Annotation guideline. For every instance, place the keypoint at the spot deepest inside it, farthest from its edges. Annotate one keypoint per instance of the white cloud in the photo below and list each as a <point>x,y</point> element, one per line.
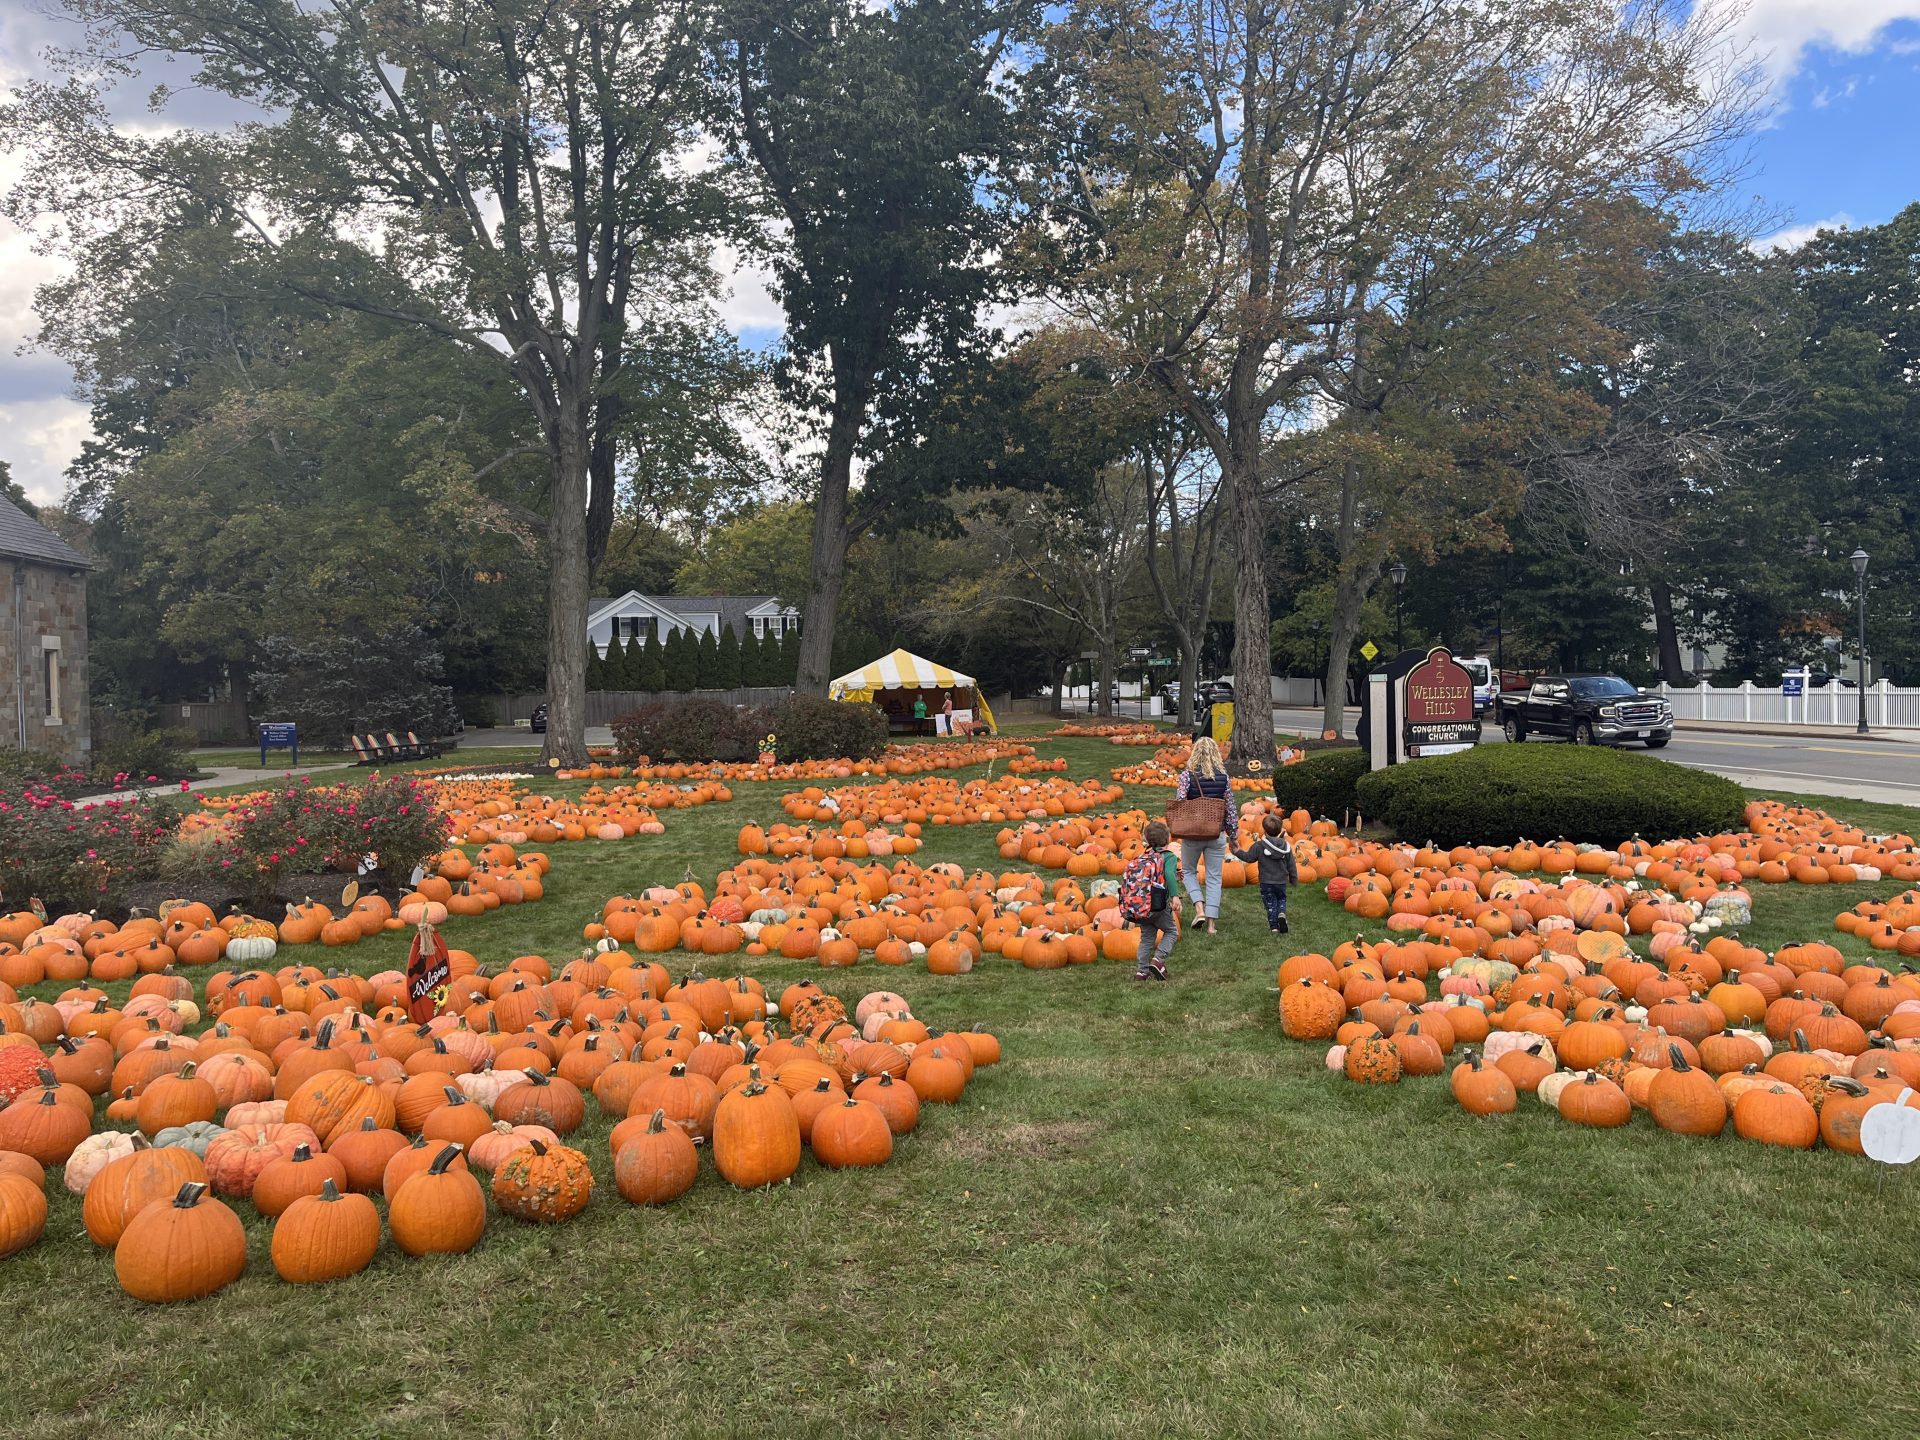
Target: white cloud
<point>1781,31</point>
<point>1794,236</point>
<point>41,438</point>
<point>749,303</point>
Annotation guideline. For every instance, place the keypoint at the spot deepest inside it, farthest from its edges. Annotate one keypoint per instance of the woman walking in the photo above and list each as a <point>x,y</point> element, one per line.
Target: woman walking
<point>1205,778</point>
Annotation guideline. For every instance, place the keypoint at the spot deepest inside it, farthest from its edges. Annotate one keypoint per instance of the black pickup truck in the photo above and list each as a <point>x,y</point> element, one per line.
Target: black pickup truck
<point>1586,709</point>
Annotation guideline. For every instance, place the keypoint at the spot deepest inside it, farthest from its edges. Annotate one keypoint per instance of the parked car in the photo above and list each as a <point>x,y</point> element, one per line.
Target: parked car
<point>538,722</point>
<point>1586,709</point>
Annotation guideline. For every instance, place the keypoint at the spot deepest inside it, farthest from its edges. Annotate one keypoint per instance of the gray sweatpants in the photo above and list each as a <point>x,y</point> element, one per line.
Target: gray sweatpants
<point>1157,934</point>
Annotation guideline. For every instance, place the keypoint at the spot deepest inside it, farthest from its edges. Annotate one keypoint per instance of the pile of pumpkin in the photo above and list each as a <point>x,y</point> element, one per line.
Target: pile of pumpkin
<point>853,838</point>
<point>1167,763</point>
<point>837,911</point>
<point>483,810</point>
<point>1092,845</point>
<point>895,760</point>
<point>941,801</point>
<point>1885,924</point>
<point>1793,1048</point>
<point>305,1102</point>
<point>1121,732</point>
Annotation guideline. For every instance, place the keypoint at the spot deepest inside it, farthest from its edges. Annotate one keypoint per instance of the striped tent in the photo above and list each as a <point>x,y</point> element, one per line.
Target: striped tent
<point>903,670</point>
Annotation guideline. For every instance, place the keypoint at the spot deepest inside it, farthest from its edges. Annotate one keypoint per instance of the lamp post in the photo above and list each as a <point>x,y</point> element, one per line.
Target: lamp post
<point>1860,584</point>
<point>1398,574</point>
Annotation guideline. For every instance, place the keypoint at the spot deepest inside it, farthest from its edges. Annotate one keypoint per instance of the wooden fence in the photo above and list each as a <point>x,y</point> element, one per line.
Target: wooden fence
<point>604,705</point>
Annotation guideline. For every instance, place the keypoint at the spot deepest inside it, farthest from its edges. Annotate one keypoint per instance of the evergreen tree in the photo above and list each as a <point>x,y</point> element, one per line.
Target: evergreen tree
<point>706,666</point>
<point>727,667</point>
<point>682,661</point>
<point>789,658</point>
<point>613,670</point>
<point>750,664</point>
<point>596,669</point>
<point>651,672</point>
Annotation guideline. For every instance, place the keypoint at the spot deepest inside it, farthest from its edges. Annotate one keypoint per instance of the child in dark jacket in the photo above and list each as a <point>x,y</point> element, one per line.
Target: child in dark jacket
<point>1278,869</point>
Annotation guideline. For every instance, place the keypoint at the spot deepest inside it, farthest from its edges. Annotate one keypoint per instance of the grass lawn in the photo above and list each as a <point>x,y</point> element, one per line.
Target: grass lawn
<point>1156,1217</point>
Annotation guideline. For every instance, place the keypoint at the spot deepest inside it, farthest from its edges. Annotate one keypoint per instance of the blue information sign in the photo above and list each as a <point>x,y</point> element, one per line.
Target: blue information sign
<point>282,735</point>
<point>1791,684</point>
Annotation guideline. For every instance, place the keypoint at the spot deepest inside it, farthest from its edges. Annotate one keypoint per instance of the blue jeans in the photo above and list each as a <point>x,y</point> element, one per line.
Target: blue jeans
<point>1215,853</point>
<point>1274,897</point>
<point>1157,934</point>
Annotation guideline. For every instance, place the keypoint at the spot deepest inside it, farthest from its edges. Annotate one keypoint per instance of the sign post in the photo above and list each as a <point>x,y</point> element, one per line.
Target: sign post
<point>283,735</point>
<point>1437,700</point>
<point>1417,706</point>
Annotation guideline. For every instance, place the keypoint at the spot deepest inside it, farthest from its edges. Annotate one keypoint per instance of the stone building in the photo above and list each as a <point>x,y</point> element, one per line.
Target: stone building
<point>43,638</point>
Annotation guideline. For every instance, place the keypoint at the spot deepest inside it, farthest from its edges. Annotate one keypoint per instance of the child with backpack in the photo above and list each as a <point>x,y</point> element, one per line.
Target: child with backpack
<point>1277,868</point>
<point>1148,899</point>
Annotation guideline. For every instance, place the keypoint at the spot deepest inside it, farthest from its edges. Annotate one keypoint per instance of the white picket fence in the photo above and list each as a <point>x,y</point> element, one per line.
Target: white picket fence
<point>1889,707</point>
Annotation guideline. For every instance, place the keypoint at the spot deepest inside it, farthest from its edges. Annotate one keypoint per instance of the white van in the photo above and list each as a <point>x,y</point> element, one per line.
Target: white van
<point>1485,685</point>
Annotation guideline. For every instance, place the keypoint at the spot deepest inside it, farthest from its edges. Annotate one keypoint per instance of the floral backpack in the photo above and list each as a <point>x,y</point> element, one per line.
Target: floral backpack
<point>1143,890</point>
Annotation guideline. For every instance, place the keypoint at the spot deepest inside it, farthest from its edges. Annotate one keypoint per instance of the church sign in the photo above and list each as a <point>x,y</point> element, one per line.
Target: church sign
<point>1437,703</point>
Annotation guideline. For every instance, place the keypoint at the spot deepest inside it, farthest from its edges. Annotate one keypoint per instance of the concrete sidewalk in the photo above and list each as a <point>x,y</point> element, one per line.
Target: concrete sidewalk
<point>1307,722</point>
<point>215,778</point>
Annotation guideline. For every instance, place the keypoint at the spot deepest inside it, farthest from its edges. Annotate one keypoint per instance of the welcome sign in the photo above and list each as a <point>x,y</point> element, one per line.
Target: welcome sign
<point>1437,704</point>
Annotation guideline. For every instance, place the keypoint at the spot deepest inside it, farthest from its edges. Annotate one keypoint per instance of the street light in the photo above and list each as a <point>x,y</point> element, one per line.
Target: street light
<point>1860,578</point>
<point>1398,574</point>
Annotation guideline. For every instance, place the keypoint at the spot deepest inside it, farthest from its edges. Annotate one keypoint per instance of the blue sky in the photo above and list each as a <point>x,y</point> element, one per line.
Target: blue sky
<point>1838,149</point>
<point>1842,142</point>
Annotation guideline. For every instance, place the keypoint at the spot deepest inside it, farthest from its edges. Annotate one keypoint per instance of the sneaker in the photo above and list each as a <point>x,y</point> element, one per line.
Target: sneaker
<point>1281,928</point>
<point>1141,975</point>
<point>1159,972</point>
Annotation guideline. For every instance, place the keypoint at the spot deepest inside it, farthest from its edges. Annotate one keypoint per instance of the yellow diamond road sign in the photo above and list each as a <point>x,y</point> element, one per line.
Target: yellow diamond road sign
<point>1369,650</point>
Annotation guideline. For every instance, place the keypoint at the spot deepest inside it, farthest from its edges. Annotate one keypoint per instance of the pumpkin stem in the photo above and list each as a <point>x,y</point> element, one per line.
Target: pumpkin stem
<point>302,1153</point>
<point>445,1158</point>
<point>329,1192</point>
<point>189,1195</point>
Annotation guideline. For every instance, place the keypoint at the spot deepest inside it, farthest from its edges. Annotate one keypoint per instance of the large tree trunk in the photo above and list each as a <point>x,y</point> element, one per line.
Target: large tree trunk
<point>1349,595</point>
<point>1059,687</point>
<point>827,566</point>
<point>1252,658</point>
<point>1105,706</point>
<point>1667,635</point>
<point>1189,678</point>
<point>567,586</point>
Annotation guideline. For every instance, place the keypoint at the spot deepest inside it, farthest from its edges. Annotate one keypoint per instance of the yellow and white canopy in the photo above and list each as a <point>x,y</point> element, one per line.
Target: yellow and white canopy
<point>902,670</point>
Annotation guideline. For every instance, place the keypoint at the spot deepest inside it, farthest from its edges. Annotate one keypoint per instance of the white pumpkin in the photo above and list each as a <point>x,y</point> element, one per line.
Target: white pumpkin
<point>94,1154</point>
<point>1548,1090</point>
<point>251,949</point>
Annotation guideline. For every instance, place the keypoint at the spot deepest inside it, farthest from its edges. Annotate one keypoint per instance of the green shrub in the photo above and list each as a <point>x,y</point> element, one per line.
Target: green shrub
<point>807,727</point>
<point>144,759</point>
<point>299,827</point>
<point>696,728</point>
<point>1497,794</point>
<point>80,857</point>
<point>1322,784</point>
<point>21,769</point>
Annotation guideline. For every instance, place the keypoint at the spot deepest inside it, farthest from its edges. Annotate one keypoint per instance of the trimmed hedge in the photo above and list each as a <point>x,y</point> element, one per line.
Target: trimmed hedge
<point>1497,794</point>
<point>806,727</point>
<point>687,730</point>
<point>1322,784</point>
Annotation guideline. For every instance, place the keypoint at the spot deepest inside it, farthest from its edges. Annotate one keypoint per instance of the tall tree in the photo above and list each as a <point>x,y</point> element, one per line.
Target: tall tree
<point>873,133</point>
<point>1234,177</point>
<point>1182,544</point>
<point>520,177</point>
<point>1693,398</point>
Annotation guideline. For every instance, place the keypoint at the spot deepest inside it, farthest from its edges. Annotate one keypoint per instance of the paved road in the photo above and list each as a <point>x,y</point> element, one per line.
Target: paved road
<point>1819,764</point>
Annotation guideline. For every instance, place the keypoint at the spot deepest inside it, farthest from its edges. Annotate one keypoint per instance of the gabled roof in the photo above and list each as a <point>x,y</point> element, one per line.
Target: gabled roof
<point>734,610</point>
<point>24,538</point>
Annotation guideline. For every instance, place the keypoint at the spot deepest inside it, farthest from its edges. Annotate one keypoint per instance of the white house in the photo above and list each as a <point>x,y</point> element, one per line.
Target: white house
<point>634,616</point>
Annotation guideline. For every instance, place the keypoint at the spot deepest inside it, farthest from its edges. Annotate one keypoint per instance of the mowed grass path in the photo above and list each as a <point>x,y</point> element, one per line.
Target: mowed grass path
<point>1156,1217</point>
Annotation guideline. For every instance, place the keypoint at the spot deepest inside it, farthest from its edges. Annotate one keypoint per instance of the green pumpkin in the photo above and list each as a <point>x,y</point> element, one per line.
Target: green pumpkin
<point>195,1137</point>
